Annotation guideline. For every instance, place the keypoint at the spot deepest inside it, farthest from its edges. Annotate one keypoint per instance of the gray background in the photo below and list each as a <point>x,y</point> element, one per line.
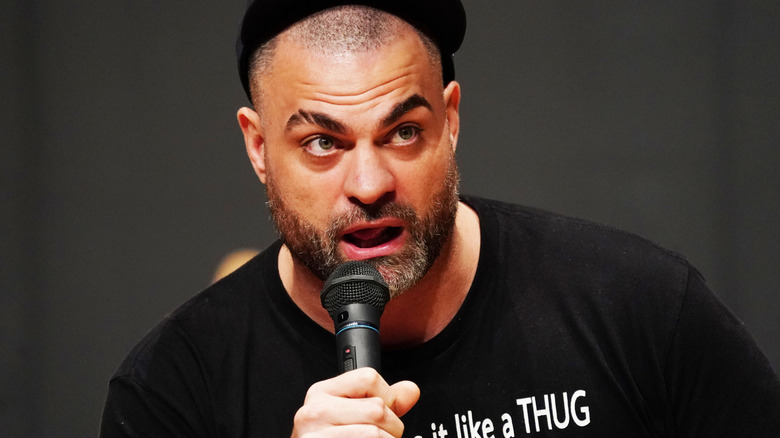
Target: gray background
<point>124,177</point>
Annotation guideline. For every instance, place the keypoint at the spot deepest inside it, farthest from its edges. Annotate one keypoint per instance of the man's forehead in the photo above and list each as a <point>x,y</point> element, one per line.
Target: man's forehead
<point>401,67</point>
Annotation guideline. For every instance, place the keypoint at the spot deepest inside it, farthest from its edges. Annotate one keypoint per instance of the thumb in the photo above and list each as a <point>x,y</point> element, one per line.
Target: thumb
<point>406,395</point>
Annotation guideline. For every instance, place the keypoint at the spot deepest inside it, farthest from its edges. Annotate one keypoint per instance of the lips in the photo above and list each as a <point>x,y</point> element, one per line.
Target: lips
<point>371,237</point>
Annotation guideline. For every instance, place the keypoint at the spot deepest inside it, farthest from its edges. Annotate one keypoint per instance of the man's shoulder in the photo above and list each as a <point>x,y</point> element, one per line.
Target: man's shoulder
<point>543,237</point>
<point>205,324</point>
<point>603,277</point>
<point>229,294</point>
<point>556,226</point>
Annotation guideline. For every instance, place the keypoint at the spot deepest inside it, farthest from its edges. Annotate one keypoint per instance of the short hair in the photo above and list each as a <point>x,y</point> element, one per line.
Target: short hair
<point>350,28</point>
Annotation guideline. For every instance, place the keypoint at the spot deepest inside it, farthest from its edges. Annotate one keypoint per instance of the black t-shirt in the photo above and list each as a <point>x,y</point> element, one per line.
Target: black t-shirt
<point>570,329</point>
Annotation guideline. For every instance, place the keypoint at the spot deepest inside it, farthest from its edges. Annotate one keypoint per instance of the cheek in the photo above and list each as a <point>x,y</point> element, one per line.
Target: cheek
<point>311,195</point>
<point>424,179</point>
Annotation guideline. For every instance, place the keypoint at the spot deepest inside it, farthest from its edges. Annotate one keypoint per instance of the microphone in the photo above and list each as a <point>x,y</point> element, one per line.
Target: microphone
<point>355,295</point>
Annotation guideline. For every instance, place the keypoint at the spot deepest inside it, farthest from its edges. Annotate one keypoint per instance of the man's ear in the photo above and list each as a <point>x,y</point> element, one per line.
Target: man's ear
<point>249,121</point>
<point>452,109</point>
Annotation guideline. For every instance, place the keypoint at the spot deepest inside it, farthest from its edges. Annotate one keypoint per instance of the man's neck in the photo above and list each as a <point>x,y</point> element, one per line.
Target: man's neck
<point>418,314</point>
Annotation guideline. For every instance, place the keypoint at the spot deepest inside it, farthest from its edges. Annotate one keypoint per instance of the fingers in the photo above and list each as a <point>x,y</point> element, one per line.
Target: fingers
<point>349,431</point>
<point>406,395</point>
<point>359,402</point>
<point>359,383</point>
<point>368,415</point>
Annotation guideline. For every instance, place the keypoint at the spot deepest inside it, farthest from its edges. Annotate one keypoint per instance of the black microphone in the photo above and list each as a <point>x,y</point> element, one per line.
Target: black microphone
<point>355,295</point>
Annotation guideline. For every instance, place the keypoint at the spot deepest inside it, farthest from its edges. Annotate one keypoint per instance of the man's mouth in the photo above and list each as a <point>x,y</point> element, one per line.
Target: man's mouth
<point>368,241</point>
<point>371,237</point>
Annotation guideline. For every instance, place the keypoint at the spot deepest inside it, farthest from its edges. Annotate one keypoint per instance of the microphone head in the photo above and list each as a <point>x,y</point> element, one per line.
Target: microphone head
<point>354,282</point>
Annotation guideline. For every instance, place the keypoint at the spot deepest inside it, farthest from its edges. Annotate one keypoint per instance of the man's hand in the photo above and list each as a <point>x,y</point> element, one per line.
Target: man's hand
<point>358,403</point>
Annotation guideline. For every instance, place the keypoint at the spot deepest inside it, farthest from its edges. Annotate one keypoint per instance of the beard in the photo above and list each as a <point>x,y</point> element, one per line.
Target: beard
<point>318,250</point>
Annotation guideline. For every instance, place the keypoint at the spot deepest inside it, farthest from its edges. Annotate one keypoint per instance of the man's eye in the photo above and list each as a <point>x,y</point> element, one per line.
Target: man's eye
<point>405,134</point>
<point>319,145</point>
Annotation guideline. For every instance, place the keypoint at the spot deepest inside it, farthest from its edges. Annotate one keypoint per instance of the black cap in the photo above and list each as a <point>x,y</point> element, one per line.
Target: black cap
<point>444,21</point>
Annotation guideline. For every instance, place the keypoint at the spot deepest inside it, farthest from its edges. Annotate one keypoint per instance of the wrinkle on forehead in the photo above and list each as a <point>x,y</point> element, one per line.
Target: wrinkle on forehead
<point>360,91</point>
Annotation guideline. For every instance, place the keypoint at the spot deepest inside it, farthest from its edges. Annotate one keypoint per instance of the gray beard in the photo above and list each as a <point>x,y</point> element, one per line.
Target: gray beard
<point>318,250</point>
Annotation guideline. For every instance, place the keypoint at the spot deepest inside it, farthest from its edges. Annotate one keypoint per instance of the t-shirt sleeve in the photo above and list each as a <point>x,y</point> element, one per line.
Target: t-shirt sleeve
<point>131,410</point>
<point>720,384</point>
<point>159,391</point>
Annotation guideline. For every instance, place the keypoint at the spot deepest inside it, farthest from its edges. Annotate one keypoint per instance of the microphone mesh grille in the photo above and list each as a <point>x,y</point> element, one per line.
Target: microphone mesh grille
<point>357,291</point>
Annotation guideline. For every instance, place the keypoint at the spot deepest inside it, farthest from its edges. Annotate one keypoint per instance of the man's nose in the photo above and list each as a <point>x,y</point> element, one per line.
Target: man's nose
<point>369,178</point>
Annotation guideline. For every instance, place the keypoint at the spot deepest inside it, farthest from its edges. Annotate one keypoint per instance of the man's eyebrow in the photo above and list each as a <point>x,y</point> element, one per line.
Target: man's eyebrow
<point>323,120</point>
<point>404,107</point>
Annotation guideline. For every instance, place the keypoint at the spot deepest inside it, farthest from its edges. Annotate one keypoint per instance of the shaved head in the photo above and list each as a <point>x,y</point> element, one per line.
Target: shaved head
<point>345,29</point>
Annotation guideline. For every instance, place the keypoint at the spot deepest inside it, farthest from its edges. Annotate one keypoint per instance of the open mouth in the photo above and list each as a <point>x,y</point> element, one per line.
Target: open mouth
<point>372,237</point>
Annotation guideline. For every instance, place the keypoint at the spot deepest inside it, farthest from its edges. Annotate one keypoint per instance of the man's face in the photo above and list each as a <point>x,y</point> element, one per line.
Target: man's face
<point>358,158</point>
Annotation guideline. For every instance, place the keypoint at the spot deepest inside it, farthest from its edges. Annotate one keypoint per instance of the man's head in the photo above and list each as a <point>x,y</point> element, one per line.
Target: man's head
<point>443,21</point>
<point>355,140</point>
<point>334,32</point>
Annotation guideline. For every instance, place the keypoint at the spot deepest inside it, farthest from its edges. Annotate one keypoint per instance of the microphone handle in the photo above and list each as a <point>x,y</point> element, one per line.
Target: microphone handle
<point>357,337</point>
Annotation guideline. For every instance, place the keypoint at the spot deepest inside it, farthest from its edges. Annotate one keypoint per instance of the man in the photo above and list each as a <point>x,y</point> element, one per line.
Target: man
<point>504,321</point>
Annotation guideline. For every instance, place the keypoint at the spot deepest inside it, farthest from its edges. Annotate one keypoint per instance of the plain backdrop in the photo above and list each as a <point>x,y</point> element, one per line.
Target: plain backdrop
<point>124,179</point>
